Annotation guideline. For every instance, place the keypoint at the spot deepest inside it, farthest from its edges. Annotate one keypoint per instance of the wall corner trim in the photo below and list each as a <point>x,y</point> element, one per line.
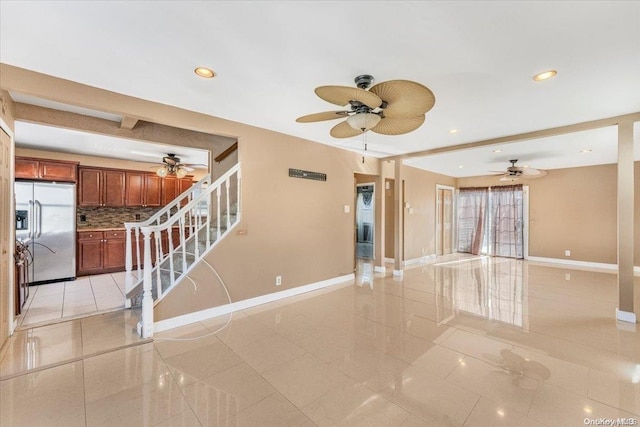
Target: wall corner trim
<point>209,313</point>
<point>625,316</point>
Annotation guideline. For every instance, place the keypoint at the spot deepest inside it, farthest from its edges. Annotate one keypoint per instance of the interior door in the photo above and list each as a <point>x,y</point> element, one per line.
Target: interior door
<point>447,220</point>
<point>6,225</point>
<point>439,197</point>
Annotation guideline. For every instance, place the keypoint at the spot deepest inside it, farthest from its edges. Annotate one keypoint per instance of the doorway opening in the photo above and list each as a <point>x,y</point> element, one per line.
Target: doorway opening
<point>365,221</point>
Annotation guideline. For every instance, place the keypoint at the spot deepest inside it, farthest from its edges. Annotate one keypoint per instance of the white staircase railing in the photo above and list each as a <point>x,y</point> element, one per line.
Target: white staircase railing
<point>176,238</point>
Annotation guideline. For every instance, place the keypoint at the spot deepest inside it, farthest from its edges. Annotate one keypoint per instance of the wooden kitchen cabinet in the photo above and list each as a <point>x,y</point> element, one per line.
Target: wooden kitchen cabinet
<point>89,253</point>
<point>101,187</point>
<point>45,170</point>
<point>173,186</point>
<point>170,189</point>
<point>143,189</point>
<point>114,251</point>
<point>101,252</point>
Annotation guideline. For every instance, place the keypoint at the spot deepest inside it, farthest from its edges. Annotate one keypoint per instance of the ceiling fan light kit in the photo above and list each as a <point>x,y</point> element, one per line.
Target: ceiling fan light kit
<point>363,121</point>
<point>394,107</point>
<point>171,166</point>
<point>514,173</point>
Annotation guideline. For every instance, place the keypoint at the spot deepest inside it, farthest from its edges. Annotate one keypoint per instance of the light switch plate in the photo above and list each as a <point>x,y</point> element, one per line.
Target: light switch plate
<point>347,208</point>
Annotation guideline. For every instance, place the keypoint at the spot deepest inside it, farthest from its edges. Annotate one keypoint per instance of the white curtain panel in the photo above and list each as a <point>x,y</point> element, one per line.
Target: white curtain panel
<point>472,214</point>
<point>506,228</point>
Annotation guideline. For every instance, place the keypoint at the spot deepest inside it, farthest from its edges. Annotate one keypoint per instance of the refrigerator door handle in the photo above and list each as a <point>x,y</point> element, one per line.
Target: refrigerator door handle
<point>39,217</point>
<point>30,220</point>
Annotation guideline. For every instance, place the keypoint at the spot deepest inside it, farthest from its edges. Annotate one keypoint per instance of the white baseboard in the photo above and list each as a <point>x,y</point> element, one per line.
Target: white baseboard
<point>420,260</point>
<point>625,316</point>
<point>389,260</point>
<point>209,313</point>
<point>580,264</point>
<point>398,273</point>
<point>379,269</point>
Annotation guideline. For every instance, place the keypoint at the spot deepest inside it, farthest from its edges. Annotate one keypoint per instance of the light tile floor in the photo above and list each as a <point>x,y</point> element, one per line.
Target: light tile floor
<point>473,342</point>
<point>87,295</point>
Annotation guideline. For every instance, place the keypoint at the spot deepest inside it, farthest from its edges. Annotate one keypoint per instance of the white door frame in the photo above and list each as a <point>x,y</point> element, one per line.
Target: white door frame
<point>454,246</point>
<point>525,221</point>
<point>11,321</point>
<point>375,220</point>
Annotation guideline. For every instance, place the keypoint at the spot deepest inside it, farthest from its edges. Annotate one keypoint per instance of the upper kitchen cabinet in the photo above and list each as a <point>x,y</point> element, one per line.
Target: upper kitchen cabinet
<point>143,189</point>
<point>172,187</point>
<point>45,170</point>
<point>101,187</point>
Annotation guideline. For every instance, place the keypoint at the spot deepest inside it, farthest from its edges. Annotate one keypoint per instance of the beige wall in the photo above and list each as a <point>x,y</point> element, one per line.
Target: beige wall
<point>389,251</point>
<point>294,227</point>
<point>574,209</point>
<point>420,226</point>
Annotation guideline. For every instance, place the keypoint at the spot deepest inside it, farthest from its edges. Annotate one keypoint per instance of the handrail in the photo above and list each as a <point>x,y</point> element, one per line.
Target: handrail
<point>186,208</point>
<point>168,207</point>
<point>193,222</point>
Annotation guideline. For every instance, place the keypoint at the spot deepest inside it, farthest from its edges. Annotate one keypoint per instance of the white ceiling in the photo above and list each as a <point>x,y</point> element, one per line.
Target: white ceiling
<point>36,136</point>
<point>477,57</point>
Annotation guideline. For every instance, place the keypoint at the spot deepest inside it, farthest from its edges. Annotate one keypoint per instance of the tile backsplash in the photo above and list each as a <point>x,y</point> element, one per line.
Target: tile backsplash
<point>110,217</point>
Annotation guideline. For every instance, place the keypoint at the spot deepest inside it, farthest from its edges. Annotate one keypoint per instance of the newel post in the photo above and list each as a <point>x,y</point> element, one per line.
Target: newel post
<point>145,327</point>
<point>128,263</point>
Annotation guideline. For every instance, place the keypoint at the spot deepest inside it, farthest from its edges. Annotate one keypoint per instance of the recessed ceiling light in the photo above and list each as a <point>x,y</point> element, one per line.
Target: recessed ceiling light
<point>497,151</point>
<point>460,167</point>
<point>545,75</point>
<point>204,72</point>
<point>454,131</point>
<point>586,150</point>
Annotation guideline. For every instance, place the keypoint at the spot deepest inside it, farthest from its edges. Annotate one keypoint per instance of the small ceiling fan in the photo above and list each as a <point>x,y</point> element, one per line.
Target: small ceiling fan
<point>393,107</point>
<point>513,172</point>
<point>171,166</point>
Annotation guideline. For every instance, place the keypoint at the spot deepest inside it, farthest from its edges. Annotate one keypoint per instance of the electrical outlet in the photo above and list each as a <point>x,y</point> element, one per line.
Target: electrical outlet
<point>567,276</point>
<point>347,208</point>
<point>567,252</point>
<point>278,280</point>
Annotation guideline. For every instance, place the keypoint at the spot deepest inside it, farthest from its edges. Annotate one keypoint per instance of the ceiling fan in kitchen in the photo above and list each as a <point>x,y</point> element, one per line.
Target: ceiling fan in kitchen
<point>393,107</point>
<point>514,173</point>
<point>171,165</point>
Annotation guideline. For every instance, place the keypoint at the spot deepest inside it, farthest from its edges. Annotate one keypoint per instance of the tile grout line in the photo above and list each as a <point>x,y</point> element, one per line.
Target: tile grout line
<point>74,359</point>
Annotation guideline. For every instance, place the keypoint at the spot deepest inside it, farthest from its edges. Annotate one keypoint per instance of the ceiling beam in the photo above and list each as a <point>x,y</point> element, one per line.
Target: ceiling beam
<point>128,123</point>
<point>544,133</point>
<point>144,131</point>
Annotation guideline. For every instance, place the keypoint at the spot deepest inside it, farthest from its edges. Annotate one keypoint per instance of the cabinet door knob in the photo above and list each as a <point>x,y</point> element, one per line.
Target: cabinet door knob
<point>90,235</point>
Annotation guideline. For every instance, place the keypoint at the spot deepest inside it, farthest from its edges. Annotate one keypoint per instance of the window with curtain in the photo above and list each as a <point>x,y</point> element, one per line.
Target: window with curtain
<point>472,209</point>
<point>506,228</point>
<point>490,221</point>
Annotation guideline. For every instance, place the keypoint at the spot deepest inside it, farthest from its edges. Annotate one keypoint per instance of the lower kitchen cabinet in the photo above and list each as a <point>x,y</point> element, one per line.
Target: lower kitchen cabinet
<point>101,252</point>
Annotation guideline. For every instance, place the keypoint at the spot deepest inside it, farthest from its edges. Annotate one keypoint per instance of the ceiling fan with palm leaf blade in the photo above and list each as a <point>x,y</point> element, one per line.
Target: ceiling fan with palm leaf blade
<point>171,165</point>
<point>514,173</point>
<point>393,107</point>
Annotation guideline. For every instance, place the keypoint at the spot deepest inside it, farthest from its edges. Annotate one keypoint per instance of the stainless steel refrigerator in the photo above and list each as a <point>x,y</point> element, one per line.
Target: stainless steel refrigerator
<point>46,221</point>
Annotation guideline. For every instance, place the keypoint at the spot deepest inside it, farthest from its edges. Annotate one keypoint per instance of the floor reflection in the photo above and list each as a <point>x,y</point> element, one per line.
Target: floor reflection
<point>493,288</point>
